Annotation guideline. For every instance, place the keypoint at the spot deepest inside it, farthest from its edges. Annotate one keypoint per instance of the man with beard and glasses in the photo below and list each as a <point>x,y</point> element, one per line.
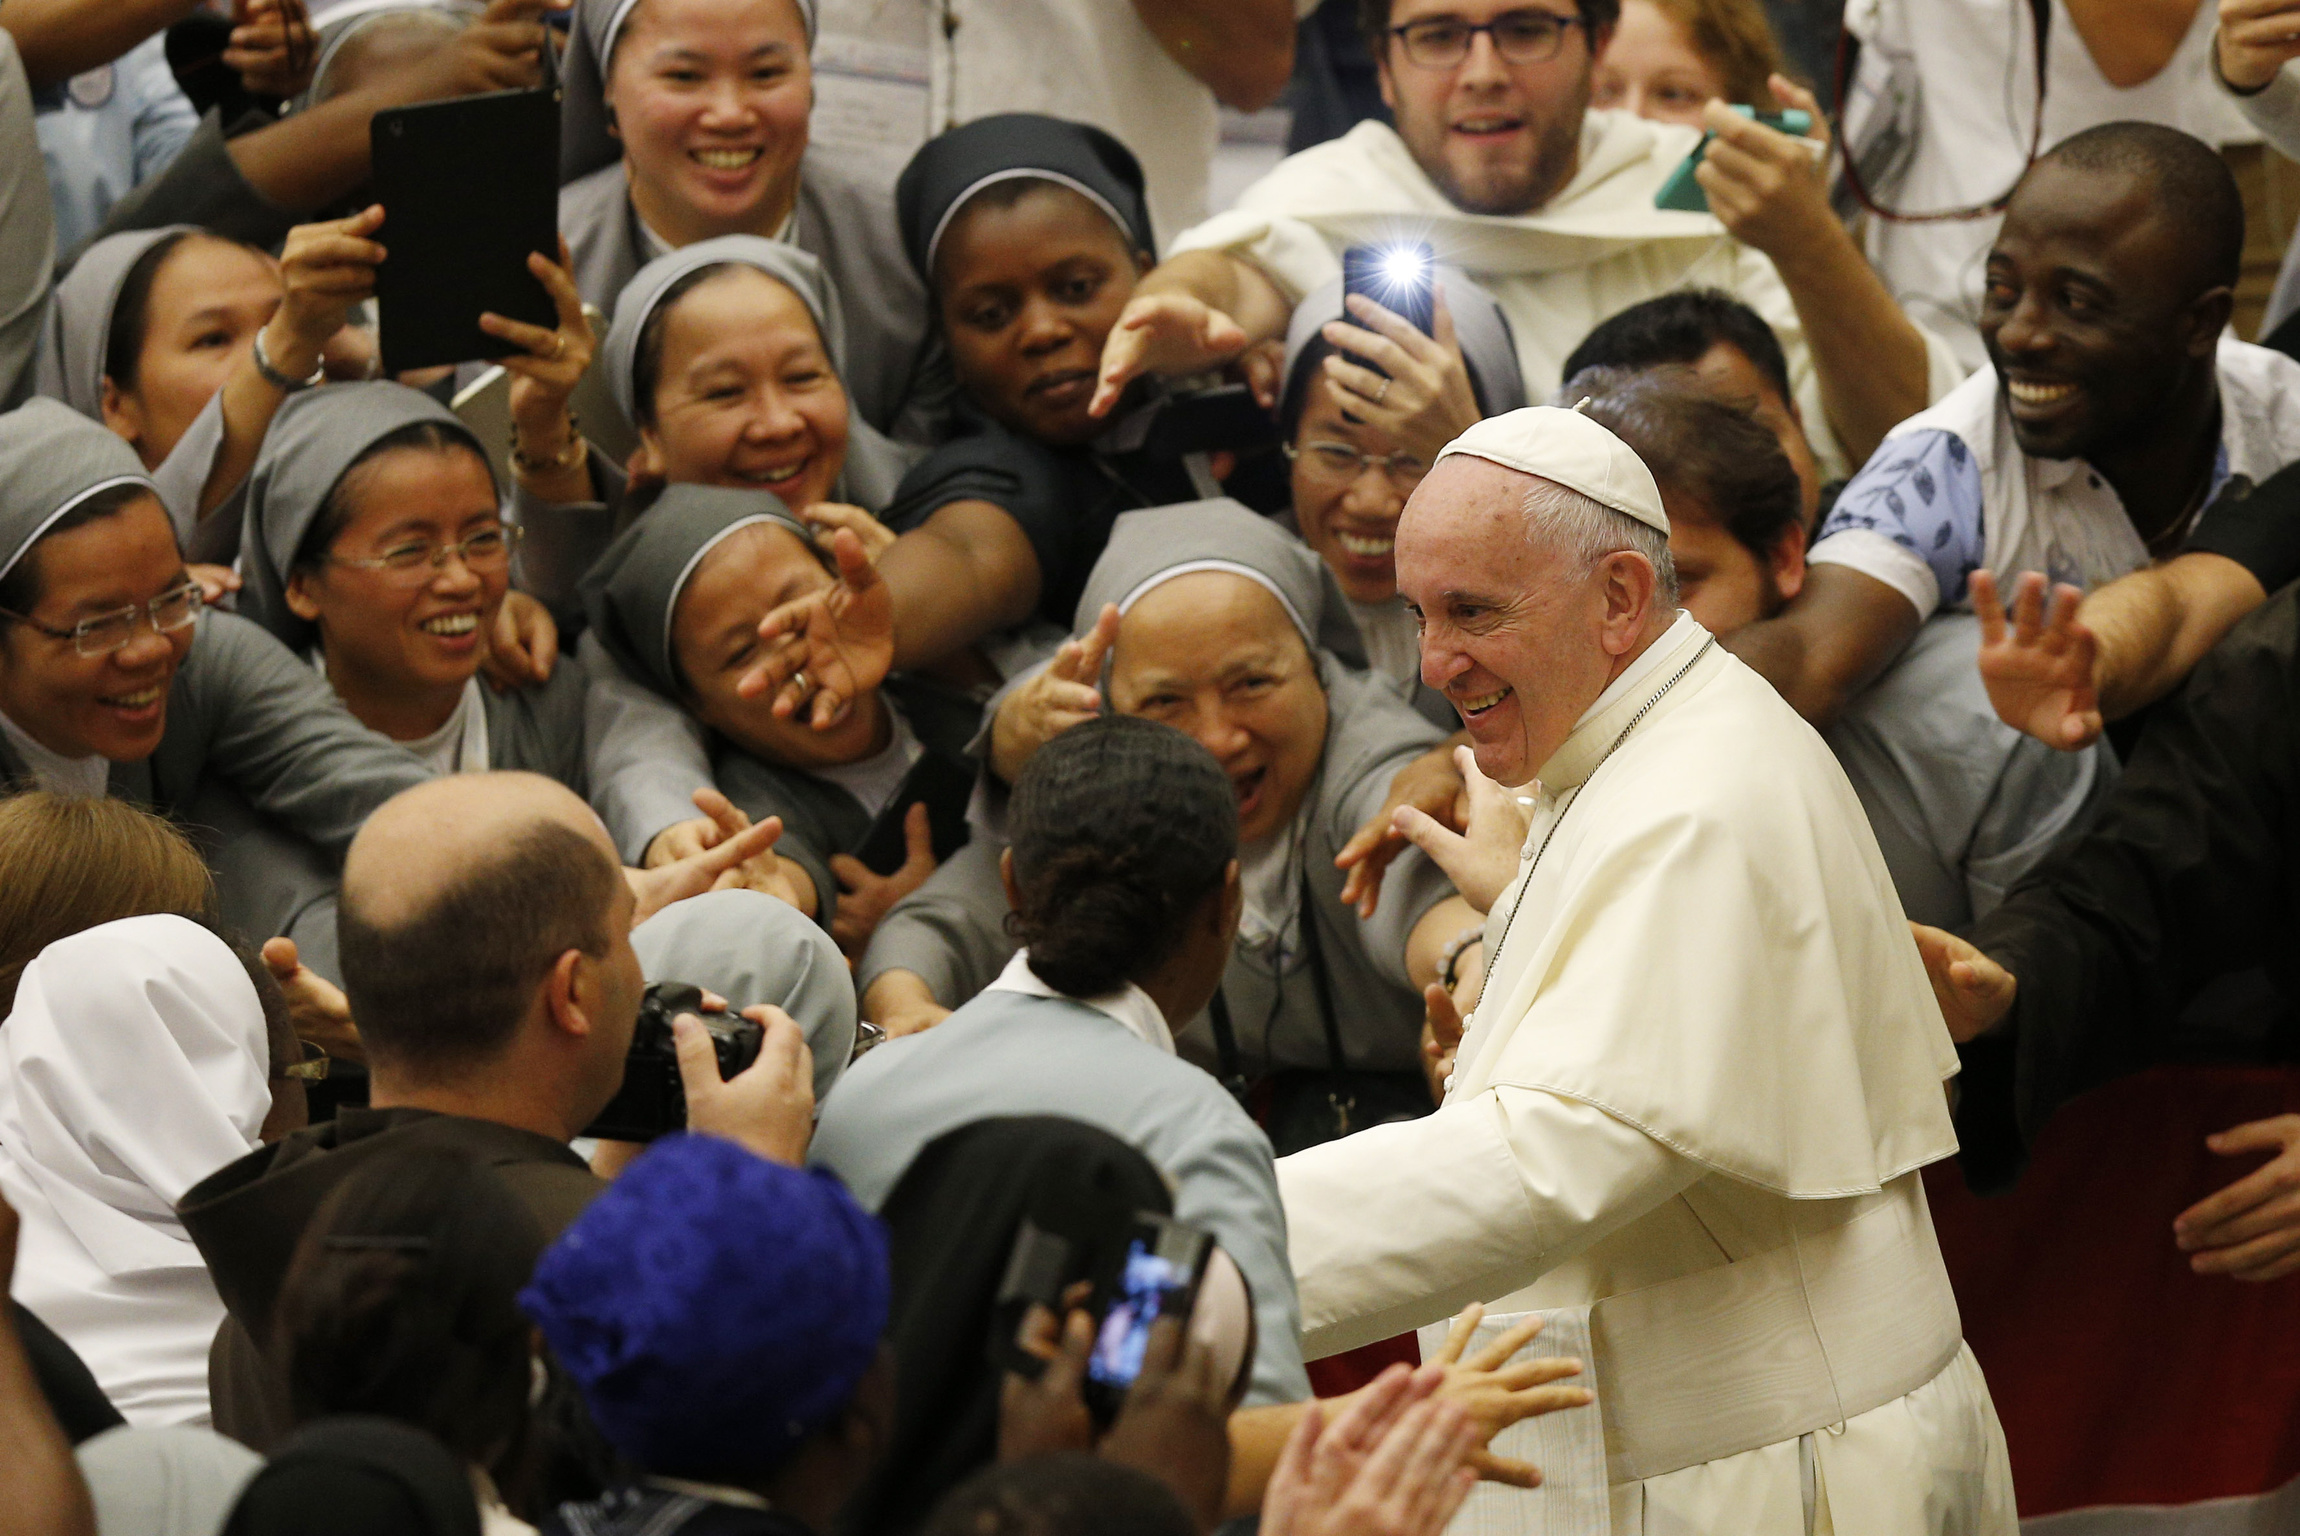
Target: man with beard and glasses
<point>1499,165</point>
<point>2113,413</point>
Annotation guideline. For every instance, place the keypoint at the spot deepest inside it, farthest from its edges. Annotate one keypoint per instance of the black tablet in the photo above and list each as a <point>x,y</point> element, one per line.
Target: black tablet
<point>469,187</point>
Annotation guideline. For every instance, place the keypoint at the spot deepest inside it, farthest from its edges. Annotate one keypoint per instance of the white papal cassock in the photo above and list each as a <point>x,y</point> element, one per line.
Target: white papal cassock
<point>1688,1114</point>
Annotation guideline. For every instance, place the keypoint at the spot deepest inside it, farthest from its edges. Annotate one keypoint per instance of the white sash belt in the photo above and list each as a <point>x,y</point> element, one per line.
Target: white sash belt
<point>1775,1346</point>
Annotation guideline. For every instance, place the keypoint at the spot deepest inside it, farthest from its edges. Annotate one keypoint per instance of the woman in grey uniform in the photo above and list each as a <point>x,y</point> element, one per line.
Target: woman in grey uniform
<point>868,802</point>
<point>682,126</point>
<point>1217,610</point>
<point>1125,881</point>
<point>114,679</point>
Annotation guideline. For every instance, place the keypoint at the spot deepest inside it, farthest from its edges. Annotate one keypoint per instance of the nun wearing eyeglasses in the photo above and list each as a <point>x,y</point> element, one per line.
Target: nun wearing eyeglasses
<point>115,681</point>
<point>373,545</point>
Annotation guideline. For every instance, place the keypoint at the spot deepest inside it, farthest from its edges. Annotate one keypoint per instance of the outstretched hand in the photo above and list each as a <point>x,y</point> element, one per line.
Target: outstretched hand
<point>2251,1229</point>
<point>655,888</point>
<point>1164,333</point>
<point>832,646</point>
<point>1066,693</point>
<point>865,896</point>
<point>1431,784</point>
<point>2042,673</point>
<point>1393,1462</point>
<point>1974,992</point>
<point>317,1009</point>
<point>1482,858</point>
<point>1496,1394</point>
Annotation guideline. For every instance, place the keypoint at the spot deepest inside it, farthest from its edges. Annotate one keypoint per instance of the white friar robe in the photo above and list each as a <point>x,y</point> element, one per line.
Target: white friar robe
<point>1692,1103</point>
<point>1590,252</point>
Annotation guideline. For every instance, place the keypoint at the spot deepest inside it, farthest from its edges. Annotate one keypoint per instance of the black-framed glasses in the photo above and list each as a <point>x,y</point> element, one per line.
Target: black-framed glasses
<point>1339,461</point>
<point>411,563</point>
<point>1529,36</point>
<point>104,633</point>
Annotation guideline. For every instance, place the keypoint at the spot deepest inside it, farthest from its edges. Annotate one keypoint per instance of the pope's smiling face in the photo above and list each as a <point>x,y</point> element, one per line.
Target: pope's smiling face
<point>1510,632</point>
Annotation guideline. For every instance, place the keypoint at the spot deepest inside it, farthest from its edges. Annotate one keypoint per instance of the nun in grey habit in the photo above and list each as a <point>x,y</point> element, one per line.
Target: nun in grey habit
<point>902,382</point>
<point>631,598</point>
<point>268,880</point>
<point>1489,353</point>
<point>71,369</point>
<point>1311,987</point>
<point>649,756</point>
<point>242,710</point>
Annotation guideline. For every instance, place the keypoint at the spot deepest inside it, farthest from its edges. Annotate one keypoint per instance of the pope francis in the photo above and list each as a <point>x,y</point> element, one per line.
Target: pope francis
<point>1687,1115</point>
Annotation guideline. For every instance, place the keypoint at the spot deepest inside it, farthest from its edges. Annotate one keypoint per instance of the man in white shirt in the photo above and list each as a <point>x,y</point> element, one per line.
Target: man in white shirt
<point>1688,1113</point>
<point>1497,163</point>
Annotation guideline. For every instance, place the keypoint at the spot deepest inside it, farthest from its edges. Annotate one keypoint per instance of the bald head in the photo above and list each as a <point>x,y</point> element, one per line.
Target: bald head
<point>458,898</point>
<point>2176,176</point>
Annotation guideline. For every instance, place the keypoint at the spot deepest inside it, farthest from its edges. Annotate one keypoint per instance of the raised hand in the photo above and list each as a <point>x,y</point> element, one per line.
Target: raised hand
<point>1974,992</point>
<point>2255,39</point>
<point>2043,673</point>
<point>1431,784</point>
<point>551,362</point>
<point>271,47</point>
<point>1482,858</point>
<point>523,646</point>
<point>2251,1229</point>
<point>769,1106</point>
<point>501,51</point>
<point>831,646</point>
<point>865,896</point>
<point>1769,188</point>
<point>325,269</point>
<point>655,888</point>
<point>1496,1394</point>
<point>826,518</point>
<point>1163,333</point>
<point>1066,693</point>
<point>317,1008</point>
<point>1046,1415</point>
<point>1420,394</point>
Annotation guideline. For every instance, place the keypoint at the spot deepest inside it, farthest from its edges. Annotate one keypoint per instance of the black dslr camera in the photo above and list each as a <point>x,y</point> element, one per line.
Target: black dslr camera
<point>652,1099</point>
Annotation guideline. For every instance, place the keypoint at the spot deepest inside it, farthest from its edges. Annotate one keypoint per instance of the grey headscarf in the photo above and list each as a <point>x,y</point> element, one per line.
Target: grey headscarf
<point>630,592</point>
<point>1153,546</point>
<point>52,459</point>
<point>314,438</point>
<point>584,142</point>
<point>751,948</point>
<point>874,464</point>
<point>1479,327</point>
<point>786,264</point>
<point>80,321</point>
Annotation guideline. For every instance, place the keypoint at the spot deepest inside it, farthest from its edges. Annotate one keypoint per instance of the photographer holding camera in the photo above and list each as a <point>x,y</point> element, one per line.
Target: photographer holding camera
<point>487,957</point>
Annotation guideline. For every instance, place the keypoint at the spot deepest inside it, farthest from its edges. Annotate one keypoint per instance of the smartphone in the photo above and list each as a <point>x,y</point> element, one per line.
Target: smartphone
<point>1158,1275</point>
<point>1682,193</point>
<point>469,188</point>
<point>1400,278</point>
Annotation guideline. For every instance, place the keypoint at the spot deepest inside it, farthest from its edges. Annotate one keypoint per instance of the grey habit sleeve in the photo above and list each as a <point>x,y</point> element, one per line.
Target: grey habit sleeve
<point>27,232</point>
<point>560,539</point>
<point>647,755</point>
<point>266,723</point>
<point>950,932</point>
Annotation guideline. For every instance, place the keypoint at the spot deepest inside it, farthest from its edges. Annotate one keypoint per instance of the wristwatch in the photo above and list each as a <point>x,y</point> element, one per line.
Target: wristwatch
<point>285,384</point>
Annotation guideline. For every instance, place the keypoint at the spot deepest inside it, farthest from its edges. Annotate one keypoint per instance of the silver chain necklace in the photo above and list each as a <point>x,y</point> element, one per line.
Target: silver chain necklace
<point>1643,710</point>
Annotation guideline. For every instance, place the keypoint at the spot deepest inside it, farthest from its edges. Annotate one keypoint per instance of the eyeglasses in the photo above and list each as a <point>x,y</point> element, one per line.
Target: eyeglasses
<point>312,1068</point>
<point>108,632</point>
<point>1339,461</point>
<point>411,564</point>
<point>1520,37</point>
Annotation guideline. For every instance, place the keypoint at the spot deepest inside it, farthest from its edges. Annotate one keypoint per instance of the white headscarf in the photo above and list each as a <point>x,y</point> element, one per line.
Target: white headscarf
<point>135,1065</point>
